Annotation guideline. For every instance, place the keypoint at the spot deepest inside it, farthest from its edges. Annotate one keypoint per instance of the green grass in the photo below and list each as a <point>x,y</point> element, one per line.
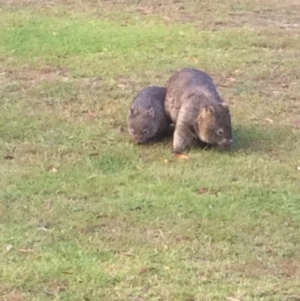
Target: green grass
<point>87,215</point>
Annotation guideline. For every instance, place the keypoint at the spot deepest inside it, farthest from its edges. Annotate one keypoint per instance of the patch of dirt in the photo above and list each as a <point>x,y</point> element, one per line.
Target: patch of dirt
<point>30,2</point>
<point>33,77</point>
<point>256,269</point>
<point>56,287</point>
<point>208,15</point>
<point>15,296</point>
<point>281,19</point>
<point>30,77</point>
<point>214,15</point>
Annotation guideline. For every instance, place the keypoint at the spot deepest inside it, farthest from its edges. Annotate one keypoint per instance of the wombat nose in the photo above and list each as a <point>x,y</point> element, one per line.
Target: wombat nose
<point>229,142</point>
<point>226,143</point>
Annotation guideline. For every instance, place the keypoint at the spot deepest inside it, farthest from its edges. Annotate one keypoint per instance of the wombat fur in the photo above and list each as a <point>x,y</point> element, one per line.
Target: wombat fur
<point>197,110</point>
<point>146,119</point>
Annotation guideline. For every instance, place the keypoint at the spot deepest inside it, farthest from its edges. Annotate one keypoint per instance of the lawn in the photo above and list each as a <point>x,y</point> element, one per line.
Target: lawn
<point>85,214</point>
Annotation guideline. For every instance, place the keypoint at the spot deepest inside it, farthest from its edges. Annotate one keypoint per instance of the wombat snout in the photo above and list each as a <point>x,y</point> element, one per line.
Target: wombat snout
<point>225,143</point>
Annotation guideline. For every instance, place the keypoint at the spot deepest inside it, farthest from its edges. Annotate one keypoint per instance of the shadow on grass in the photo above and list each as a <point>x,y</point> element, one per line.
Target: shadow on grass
<point>253,138</point>
<point>257,138</point>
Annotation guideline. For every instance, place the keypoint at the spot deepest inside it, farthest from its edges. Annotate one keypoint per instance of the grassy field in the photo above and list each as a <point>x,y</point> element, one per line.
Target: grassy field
<point>87,215</point>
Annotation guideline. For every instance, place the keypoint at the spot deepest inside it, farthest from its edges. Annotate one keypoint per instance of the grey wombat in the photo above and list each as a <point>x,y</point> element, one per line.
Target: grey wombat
<point>146,116</point>
<point>197,110</point>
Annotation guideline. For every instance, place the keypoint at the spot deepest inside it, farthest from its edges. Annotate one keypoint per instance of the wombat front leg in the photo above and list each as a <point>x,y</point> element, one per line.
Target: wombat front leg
<point>182,136</point>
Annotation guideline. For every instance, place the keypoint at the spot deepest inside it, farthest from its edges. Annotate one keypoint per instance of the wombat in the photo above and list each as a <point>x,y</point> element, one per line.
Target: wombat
<point>146,119</point>
<point>197,110</point>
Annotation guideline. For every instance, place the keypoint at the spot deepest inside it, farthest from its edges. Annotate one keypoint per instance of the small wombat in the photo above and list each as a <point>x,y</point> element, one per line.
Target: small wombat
<point>197,110</point>
<point>146,117</point>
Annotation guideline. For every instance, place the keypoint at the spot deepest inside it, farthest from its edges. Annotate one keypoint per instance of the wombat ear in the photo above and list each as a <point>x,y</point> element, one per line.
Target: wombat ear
<point>209,109</point>
<point>151,112</point>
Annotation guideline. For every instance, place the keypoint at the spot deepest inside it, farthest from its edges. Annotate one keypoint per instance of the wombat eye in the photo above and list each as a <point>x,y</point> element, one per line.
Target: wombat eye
<point>220,132</point>
<point>145,131</point>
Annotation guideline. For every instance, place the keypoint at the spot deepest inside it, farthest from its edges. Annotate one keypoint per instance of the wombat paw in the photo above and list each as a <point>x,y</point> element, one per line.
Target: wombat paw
<point>178,151</point>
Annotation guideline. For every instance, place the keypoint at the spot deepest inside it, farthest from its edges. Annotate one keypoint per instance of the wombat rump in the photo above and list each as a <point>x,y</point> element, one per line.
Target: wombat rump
<point>146,116</point>
<point>197,110</point>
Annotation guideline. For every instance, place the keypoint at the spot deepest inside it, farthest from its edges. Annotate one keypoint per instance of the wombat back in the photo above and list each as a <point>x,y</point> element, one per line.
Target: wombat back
<point>188,81</point>
<point>146,115</point>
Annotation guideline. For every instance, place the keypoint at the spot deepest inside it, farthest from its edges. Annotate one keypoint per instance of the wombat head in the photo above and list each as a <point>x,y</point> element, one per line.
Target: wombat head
<point>214,125</point>
<point>141,125</point>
